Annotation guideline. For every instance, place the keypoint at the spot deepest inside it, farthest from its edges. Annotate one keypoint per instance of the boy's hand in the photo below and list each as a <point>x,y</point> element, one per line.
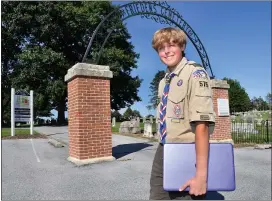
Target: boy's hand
<point>198,186</point>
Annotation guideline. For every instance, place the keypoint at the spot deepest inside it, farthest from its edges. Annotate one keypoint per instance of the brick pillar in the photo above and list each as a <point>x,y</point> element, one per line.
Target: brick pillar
<point>222,130</point>
<point>90,137</point>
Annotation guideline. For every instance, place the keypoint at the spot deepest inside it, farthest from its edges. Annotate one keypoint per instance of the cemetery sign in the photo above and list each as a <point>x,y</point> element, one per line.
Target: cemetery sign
<point>21,109</point>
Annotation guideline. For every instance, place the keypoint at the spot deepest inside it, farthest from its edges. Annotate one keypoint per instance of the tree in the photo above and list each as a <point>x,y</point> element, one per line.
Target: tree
<point>154,85</point>
<point>10,49</point>
<point>239,100</point>
<point>259,103</point>
<point>128,114</point>
<point>136,113</point>
<point>269,99</point>
<point>117,115</point>
<point>50,37</point>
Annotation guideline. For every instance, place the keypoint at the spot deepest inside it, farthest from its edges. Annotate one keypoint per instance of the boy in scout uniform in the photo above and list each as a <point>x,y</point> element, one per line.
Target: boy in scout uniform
<point>185,113</point>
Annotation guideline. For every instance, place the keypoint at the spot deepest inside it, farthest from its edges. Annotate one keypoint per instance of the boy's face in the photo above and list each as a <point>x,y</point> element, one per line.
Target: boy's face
<point>170,54</point>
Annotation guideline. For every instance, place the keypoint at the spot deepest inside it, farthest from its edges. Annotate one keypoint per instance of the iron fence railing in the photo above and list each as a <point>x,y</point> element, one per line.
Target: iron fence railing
<point>251,132</point>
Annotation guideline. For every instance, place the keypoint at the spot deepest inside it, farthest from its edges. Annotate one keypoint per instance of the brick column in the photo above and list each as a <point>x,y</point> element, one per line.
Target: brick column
<point>222,130</point>
<point>90,137</point>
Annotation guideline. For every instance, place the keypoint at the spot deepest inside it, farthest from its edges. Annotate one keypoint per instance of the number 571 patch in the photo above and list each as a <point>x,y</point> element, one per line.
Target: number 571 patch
<point>203,84</point>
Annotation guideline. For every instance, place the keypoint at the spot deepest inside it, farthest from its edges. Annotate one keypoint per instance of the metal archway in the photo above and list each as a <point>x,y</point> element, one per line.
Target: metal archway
<point>160,12</point>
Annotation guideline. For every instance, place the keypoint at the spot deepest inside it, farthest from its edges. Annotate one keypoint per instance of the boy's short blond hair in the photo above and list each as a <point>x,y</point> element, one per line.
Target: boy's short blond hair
<point>169,34</point>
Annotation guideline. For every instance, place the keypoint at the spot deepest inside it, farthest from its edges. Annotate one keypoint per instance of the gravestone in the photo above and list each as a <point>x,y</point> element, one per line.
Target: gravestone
<point>113,122</point>
<point>130,127</point>
<point>148,129</point>
<point>151,119</point>
<point>249,119</point>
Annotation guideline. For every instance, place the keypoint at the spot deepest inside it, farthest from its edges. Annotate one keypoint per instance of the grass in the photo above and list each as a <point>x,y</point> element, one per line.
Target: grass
<point>252,138</point>
<point>117,125</point>
<point>115,129</point>
<point>265,115</point>
<point>6,132</point>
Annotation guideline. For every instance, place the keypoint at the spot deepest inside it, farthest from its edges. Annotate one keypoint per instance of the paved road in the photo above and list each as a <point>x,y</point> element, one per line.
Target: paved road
<point>35,170</point>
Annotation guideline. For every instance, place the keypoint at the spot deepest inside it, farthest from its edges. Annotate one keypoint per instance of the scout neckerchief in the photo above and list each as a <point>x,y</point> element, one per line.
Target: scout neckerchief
<point>163,105</point>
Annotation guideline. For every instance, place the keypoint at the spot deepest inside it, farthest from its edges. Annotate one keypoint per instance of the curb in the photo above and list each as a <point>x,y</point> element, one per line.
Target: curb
<point>262,146</point>
<point>56,143</point>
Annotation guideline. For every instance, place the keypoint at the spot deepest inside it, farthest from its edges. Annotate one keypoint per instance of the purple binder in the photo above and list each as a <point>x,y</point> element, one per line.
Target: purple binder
<point>180,165</point>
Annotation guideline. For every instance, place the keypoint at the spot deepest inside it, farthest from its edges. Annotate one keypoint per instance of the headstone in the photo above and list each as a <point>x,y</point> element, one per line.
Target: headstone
<point>144,120</point>
<point>259,121</point>
<point>113,121</point>
<point>130,127</point>
<point>138,119</point>
<point>148,129</point>
<point>249,119</point>
<point>151,119</point>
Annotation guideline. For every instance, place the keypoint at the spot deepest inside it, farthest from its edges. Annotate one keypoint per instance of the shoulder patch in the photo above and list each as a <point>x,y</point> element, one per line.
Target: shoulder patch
<point>199,73</point>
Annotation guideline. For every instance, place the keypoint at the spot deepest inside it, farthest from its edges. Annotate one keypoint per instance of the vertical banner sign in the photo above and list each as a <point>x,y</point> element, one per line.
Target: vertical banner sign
<point>21,109</point>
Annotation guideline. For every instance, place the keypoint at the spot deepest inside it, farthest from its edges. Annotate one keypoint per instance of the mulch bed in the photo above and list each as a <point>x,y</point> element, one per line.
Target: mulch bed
<point>25,136</point>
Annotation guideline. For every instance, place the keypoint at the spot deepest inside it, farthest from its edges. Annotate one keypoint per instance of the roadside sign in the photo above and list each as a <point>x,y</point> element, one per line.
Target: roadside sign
<point>21,108</point>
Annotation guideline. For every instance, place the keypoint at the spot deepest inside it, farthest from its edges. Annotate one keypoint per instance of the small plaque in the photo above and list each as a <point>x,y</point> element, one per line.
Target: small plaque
<point>223,107</point>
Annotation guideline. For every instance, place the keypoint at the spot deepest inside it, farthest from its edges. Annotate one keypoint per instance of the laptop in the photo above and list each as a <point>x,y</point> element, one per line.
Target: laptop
<point>180,165</point>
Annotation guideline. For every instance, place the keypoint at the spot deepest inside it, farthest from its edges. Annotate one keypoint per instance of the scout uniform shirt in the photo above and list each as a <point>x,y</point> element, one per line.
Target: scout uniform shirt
<point>189,100</point>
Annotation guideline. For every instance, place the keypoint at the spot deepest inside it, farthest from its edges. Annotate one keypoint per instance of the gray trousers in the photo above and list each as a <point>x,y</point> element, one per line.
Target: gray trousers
<point>156,182</point>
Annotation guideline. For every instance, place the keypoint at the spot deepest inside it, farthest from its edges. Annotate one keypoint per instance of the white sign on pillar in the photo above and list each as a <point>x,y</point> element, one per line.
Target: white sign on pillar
<point>21,109</point>
<point>223,107</point>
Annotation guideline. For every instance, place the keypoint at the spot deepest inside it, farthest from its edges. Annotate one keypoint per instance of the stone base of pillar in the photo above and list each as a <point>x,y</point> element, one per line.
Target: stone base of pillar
<point>79,162</point>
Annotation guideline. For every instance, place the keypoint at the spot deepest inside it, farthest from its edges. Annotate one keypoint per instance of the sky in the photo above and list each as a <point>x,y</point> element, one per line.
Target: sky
<point>236,36</point>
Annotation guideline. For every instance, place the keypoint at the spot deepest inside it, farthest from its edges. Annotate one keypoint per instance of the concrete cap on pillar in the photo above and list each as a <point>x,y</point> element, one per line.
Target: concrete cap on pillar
<point>90,70</point>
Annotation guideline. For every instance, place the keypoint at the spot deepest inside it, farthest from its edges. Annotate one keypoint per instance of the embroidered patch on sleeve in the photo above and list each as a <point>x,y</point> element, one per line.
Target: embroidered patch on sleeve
<point>200,74</point>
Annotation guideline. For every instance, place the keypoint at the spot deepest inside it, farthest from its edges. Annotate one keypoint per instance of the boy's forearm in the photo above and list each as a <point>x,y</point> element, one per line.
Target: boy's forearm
<point>202,150</point>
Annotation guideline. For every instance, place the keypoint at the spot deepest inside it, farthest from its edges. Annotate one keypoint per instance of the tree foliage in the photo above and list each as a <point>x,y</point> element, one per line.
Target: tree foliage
<point>259,104</point>
<point>154,85</point>
<point>239,100</point>
<point>42,40</point>
<point>269,99</point>
<point>117,115</point>
<point>129,114</point>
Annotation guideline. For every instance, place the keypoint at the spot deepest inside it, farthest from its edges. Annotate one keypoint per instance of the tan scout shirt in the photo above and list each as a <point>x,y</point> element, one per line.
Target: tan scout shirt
<point>189,100</point>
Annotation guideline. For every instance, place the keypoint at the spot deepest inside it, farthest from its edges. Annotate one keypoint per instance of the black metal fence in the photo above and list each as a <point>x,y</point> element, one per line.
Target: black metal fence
<point>251,132</point>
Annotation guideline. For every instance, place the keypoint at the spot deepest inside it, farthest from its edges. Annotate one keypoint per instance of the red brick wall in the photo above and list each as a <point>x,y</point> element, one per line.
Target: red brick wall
<point>222,129</point>
<point>89,118</point>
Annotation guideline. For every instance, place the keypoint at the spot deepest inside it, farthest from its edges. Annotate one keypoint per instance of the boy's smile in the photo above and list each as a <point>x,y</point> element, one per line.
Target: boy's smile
<point>170,54</point>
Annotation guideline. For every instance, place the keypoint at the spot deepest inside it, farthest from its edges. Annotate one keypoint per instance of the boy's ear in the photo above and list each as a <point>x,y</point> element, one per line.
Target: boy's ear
<point>182,48</point>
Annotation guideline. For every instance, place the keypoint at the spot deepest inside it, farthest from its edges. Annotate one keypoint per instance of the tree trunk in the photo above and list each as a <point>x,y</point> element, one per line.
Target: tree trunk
<point>61,112</point>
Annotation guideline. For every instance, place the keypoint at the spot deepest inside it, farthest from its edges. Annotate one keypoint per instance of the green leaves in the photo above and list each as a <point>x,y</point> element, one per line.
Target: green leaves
<point>154,85</point>
<point>42,40</point>
<point>239,100</point>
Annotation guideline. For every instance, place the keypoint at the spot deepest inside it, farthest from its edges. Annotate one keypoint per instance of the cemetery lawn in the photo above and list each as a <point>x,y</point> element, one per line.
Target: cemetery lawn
<point>115,130</point>
<point>117,125</point>
<point>265,115</point>
<point>21,133</point>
